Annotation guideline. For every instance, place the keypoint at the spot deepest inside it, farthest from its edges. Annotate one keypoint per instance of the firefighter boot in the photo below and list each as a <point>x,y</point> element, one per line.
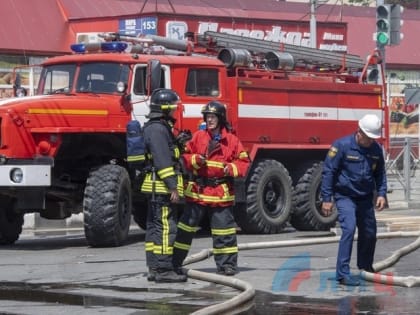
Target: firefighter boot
<point>151,275</point>
<point>180,271</point>
<point>169,276</point>
<point>227,270</point>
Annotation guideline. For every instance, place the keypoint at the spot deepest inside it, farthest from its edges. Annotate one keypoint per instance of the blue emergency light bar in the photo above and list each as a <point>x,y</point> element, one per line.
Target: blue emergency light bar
<point>82,48</point>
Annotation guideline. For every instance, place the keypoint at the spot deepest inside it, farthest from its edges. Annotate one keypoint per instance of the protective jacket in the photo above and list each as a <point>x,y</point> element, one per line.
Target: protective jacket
<point>209,183</point>
<point>162,159</point>
<point>353,171</point>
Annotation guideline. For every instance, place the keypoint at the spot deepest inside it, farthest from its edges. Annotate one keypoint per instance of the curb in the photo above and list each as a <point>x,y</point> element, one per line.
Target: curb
<point>34,222</point>
<point>404,205</point>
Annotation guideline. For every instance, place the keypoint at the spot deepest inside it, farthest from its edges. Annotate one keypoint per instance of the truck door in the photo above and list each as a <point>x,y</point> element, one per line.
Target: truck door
<point>139,90</point>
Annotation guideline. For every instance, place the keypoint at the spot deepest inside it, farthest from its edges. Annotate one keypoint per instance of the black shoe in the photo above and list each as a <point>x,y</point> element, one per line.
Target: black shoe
<point>180,271</point>
<point>350,281</point>
<point>227,271</point>
<point>369,269</point>
<point>169,276</point>
<point>230,271</point>
<point>151,274</point>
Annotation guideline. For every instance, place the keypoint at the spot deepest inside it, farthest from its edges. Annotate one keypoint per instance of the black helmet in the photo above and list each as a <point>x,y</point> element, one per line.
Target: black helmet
<point>217,108</point>
<point>162,102</point>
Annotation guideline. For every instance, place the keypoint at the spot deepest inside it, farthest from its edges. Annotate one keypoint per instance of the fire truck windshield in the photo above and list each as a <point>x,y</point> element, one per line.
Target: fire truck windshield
<point>97,77</point>
<point>56,79</point>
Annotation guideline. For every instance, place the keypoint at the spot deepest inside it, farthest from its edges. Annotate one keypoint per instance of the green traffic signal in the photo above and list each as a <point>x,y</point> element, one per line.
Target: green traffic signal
<point>382,38</point>
<point>383,24</point>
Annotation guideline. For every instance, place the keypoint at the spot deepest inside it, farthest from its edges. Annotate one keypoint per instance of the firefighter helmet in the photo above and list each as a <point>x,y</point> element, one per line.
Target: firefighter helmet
<point>217,108</point>
<point>162,102</point>
<point>371,126</point>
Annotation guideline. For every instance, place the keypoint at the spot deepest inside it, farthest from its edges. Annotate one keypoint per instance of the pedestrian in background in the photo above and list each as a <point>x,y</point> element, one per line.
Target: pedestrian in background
<point>214,157</point>
<point>354,178</point>
<point>163,184</point>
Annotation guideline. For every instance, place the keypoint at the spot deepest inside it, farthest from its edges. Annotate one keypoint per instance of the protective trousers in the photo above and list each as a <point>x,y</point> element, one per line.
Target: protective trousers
<point>148,241</point>
<point>354,213</point>
<point>160,233</point>
<point>222,223</point>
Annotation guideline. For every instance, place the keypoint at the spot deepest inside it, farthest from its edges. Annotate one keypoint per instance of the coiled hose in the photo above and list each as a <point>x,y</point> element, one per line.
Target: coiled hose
<point>248,292</point>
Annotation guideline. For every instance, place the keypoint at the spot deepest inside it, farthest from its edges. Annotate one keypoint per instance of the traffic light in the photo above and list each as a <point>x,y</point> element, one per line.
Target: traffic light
<point>383,24</point>
<point>396,23</point>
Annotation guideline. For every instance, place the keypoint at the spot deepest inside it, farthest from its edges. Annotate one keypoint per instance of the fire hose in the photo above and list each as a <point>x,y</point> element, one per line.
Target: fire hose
<point>248,292</point>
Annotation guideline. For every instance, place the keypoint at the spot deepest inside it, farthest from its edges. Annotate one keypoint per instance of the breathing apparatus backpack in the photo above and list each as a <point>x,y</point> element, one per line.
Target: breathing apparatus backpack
<point>136,150</point>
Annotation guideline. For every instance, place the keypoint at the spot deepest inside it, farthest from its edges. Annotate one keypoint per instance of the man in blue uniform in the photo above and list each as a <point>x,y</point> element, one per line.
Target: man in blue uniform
<point>353,175</point>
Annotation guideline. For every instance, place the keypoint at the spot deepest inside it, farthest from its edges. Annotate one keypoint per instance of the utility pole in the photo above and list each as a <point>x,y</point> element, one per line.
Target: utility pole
<point>312,24</point>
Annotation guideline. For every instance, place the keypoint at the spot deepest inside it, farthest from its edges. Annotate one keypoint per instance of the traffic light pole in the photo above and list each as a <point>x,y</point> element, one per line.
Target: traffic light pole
<point>381,49</point>
<point>379,46</point>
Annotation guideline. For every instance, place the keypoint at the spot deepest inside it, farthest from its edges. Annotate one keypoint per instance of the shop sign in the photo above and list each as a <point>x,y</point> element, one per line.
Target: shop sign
<point>134,27</point>
<point>331,39</point>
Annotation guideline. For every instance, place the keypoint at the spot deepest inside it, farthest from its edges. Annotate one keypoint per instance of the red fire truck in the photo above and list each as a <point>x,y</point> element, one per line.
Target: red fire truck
<point>63,150</point>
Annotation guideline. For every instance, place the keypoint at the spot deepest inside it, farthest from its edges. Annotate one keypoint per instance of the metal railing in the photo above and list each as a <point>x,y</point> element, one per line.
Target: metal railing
<point>402,165</point>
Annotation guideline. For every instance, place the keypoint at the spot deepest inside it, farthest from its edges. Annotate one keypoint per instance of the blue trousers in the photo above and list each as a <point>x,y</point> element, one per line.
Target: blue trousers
<point>354,213</point>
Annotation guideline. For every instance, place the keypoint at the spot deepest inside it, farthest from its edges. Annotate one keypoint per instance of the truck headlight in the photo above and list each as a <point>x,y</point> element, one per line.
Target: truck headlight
<point>16,175</point>
<point>3,159</point>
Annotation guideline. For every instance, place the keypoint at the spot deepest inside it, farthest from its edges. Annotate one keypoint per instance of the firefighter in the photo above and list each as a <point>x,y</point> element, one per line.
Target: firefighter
<point>213,157</point>
<point>163,184</point>
<point>353,174</point>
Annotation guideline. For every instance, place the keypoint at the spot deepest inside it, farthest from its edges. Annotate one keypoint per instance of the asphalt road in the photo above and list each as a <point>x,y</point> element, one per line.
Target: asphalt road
<point>53,272</point>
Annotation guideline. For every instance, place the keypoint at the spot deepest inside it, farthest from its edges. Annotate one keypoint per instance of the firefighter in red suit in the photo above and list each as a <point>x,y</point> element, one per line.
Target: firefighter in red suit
<point>213,158</point>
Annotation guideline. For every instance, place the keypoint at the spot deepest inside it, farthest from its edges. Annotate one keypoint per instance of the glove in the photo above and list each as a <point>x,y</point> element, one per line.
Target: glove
<point>183,137</point>
<point>200,160</point>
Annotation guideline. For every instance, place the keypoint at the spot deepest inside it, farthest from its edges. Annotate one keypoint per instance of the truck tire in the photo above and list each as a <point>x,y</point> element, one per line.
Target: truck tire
<point>107,206</point>
<point>269,199</point>
<point>11,222</point>
<point>307,215</point>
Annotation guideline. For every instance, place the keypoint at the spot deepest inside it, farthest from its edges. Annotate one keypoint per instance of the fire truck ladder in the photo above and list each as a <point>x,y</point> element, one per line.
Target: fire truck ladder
<point>236,51</point>
<point>300,55</point>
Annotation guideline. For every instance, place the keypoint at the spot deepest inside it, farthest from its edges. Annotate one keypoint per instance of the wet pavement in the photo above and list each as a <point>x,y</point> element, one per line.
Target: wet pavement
<point>51,272</point>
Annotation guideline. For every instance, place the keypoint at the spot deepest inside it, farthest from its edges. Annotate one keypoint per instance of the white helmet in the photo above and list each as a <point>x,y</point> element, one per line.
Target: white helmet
<point>371,125</point>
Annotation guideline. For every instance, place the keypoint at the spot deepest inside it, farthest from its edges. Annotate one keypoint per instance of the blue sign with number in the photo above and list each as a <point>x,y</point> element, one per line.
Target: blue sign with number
<point>134,27</point>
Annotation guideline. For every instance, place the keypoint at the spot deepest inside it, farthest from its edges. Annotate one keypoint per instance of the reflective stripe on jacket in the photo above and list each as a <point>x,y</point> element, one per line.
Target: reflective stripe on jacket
<point>163,174</point>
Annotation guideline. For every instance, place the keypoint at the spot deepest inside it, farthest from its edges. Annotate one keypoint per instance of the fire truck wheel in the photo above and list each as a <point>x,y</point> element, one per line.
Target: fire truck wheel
<point>107,206</point>
<point>10,222</point>
<point>306,215</point>
<point>269,199</point>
